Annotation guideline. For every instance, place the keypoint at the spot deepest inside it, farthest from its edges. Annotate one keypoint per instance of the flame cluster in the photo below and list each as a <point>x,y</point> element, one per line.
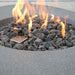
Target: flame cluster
<point>23,8</point>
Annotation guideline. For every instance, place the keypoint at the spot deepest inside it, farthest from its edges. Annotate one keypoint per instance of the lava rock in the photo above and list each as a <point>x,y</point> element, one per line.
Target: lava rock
<point>51,36</point>
<point>41,48</point>
<point>13,34</point>
<point>41,39</point>
<point>67,35</point>
<point>38,42</point>
<point>71,32</point>
<point>37,20</point>
<point>46,32</point>
<point>73,41</point>
<point>47,45</point>
<point>18,46</point>
<point>1,32</point>
<point>30,47</point>
<point>59,42</point>
<point>40,35</point>
<point>36,25</point>
<point>2,43</point>
<point>8,44</point>
<point>73,37</point>
<point>31,40</point>
<point>4,38</point>
<point>68,44</point>
<point>33,28</point>
<point>51,48</point>
<point>26,45</point>
<point>54,45</point>
<point>12,43</point>
<point>35,32</point>
<point>73,28</point>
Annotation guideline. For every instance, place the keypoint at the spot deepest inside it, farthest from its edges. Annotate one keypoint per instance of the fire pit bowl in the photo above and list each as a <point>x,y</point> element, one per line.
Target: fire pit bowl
<point>17,62</point>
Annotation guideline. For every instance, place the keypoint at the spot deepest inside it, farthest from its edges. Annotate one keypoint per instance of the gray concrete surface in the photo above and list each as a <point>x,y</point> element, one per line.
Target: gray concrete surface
<point>65,4</point>
<point>17,62</point>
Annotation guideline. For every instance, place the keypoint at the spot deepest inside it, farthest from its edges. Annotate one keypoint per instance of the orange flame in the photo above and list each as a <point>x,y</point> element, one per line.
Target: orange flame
<point>30,11</point>
<point>45,23</point>
<point>22,18</point>
<point>42,9</point>
<point>17,9</point>
<point>15,28</point>
<point>30,26</point>
<point>62,25</point>
<point>30,8</point>
<point>52,17</point>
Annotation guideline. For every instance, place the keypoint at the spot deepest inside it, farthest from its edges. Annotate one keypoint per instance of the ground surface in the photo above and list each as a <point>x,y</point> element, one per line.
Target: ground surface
<point>14,62</point>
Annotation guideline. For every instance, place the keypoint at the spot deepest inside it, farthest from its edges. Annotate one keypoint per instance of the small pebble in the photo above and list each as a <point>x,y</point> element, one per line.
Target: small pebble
<point>38,42</point>
<point>51,48</point>
<point>68,44</point>
<point>8,44</point>
<point>30,47</point>
<point>4,38</point>
<point>18,46</point>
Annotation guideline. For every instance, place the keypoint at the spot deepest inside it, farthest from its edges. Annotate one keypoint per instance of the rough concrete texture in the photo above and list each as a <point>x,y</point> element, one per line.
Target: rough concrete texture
<point>16,62</point>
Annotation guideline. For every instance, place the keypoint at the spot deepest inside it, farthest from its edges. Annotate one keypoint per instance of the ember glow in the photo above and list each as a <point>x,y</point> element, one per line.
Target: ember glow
<point>22,9</point>
<point>15,28</point>
<point>52,17</point>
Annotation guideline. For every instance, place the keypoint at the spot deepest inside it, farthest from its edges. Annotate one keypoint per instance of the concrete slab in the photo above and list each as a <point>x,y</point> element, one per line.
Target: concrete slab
<point>16,62</point>
<point>64,5</point>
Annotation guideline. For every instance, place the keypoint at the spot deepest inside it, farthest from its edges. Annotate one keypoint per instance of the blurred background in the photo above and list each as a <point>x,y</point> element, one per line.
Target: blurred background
<point>40,0</point>
<point>64,4</point>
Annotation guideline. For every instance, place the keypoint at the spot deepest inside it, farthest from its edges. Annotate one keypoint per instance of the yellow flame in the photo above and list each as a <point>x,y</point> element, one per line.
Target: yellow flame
<point>30,10</point>
<point>62,25</point>
<point>29,26</point>
<point>42,9</point>
<point>52,17</point>
<point>45,23</point>
<point>15,28</point>
<point>63,29</point>
<point>17,9</point>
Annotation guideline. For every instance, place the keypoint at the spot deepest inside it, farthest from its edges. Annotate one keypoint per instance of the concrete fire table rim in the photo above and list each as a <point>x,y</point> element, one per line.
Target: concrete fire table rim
<point>20,62</point>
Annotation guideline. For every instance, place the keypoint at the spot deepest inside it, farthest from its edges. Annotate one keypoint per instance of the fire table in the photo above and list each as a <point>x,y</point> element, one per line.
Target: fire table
<point>18,62</point>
